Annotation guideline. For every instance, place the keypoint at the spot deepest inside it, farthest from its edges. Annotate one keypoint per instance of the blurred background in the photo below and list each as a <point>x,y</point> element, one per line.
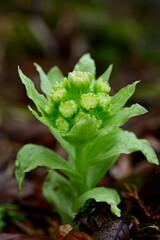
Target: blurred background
<point>58,32</point>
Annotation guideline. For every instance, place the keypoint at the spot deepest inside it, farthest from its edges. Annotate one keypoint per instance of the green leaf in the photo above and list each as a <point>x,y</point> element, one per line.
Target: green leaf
<point>120,98</point>
<point>121,117</point>
<point>45,83</point>
<point>100,194</point>
<point>107,73</point>
<point>31,156</point>
<point>45,120</point>
<point>55,75</point>
<point>82,132</point>
<point>11,211</point>
<point>98,170</point>
<point>59,193</point>
<point>40,118</point>
<point>117,142</point>
<point>38,99</point>
<point>86,64</point>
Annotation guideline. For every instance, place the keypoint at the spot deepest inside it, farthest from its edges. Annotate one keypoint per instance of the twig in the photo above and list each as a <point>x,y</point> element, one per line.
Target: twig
<point>134,194</point>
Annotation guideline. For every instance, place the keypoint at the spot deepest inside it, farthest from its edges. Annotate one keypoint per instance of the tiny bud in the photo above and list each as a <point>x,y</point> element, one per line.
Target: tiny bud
<point>82,116</point>
<point>49,107</point>
<point>62,84</point>
<point>98,121</point>
<point>109,108</point>
<point>68,108</point>
<point>59,95</point>
<point>79,79</point>
<point>101,86</point>
<point>88,101</point>
<point>62,124</point>
<point>103,100</point>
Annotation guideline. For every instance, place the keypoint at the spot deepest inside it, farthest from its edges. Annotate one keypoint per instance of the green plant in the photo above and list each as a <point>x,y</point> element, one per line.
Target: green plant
<point>85,120</point>
<point>8,210</point>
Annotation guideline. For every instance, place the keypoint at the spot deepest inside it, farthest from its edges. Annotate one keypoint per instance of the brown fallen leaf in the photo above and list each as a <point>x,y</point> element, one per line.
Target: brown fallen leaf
<point>92,217</point>
<point>53,226</point>
<point>66,232</point>
<point>77,235</point>
<point>63,231</point>
<point>10,236</point>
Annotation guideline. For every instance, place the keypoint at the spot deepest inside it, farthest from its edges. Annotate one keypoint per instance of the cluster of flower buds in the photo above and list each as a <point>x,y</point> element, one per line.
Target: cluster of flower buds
<point>77,98</point>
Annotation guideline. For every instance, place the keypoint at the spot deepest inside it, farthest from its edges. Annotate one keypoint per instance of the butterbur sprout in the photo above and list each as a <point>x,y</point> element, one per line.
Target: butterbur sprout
<point>76,98</point>
<point>86,121</point>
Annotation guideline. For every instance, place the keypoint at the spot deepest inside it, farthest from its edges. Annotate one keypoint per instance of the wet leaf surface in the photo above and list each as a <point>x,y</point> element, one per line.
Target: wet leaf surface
<point>93,216</point>
<point>114,230</point>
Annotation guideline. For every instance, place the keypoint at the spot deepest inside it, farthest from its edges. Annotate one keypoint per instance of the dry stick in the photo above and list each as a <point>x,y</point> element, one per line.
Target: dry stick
<point>134,194</point>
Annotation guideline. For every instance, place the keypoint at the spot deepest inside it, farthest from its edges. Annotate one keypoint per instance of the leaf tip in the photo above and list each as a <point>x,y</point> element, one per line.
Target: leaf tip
<point>87,54</point>
<point>36,65</point>
<point>19,71</point>
<point>110,67</point>
<point>138,81</point>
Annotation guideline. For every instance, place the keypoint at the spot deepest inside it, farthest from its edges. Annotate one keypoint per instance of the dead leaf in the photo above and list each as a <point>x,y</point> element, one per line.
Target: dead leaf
<point>63,231</point>
<point>77,235</point>
<point>113,230</point>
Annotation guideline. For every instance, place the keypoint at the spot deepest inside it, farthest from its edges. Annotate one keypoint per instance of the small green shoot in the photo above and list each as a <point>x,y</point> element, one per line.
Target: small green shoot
<point>8,210</point>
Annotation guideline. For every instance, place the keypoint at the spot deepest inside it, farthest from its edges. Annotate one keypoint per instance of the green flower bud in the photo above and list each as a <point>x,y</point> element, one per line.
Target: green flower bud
<point>71,98</point>
<point>68,108</point>
<point>88,101</point>
<point>79,79</point>
<point>58,95</point>
<point>62,84</point>
<point>81,116</point>
<point>98,121</point>
<point>109,108</point>
<point>50,106</point>
<point>101,86</point>
<point>103,100</point>
<point>62,124</point>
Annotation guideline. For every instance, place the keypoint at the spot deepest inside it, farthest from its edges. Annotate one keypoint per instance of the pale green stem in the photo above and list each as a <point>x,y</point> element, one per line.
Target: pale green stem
<point>80,186</point>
